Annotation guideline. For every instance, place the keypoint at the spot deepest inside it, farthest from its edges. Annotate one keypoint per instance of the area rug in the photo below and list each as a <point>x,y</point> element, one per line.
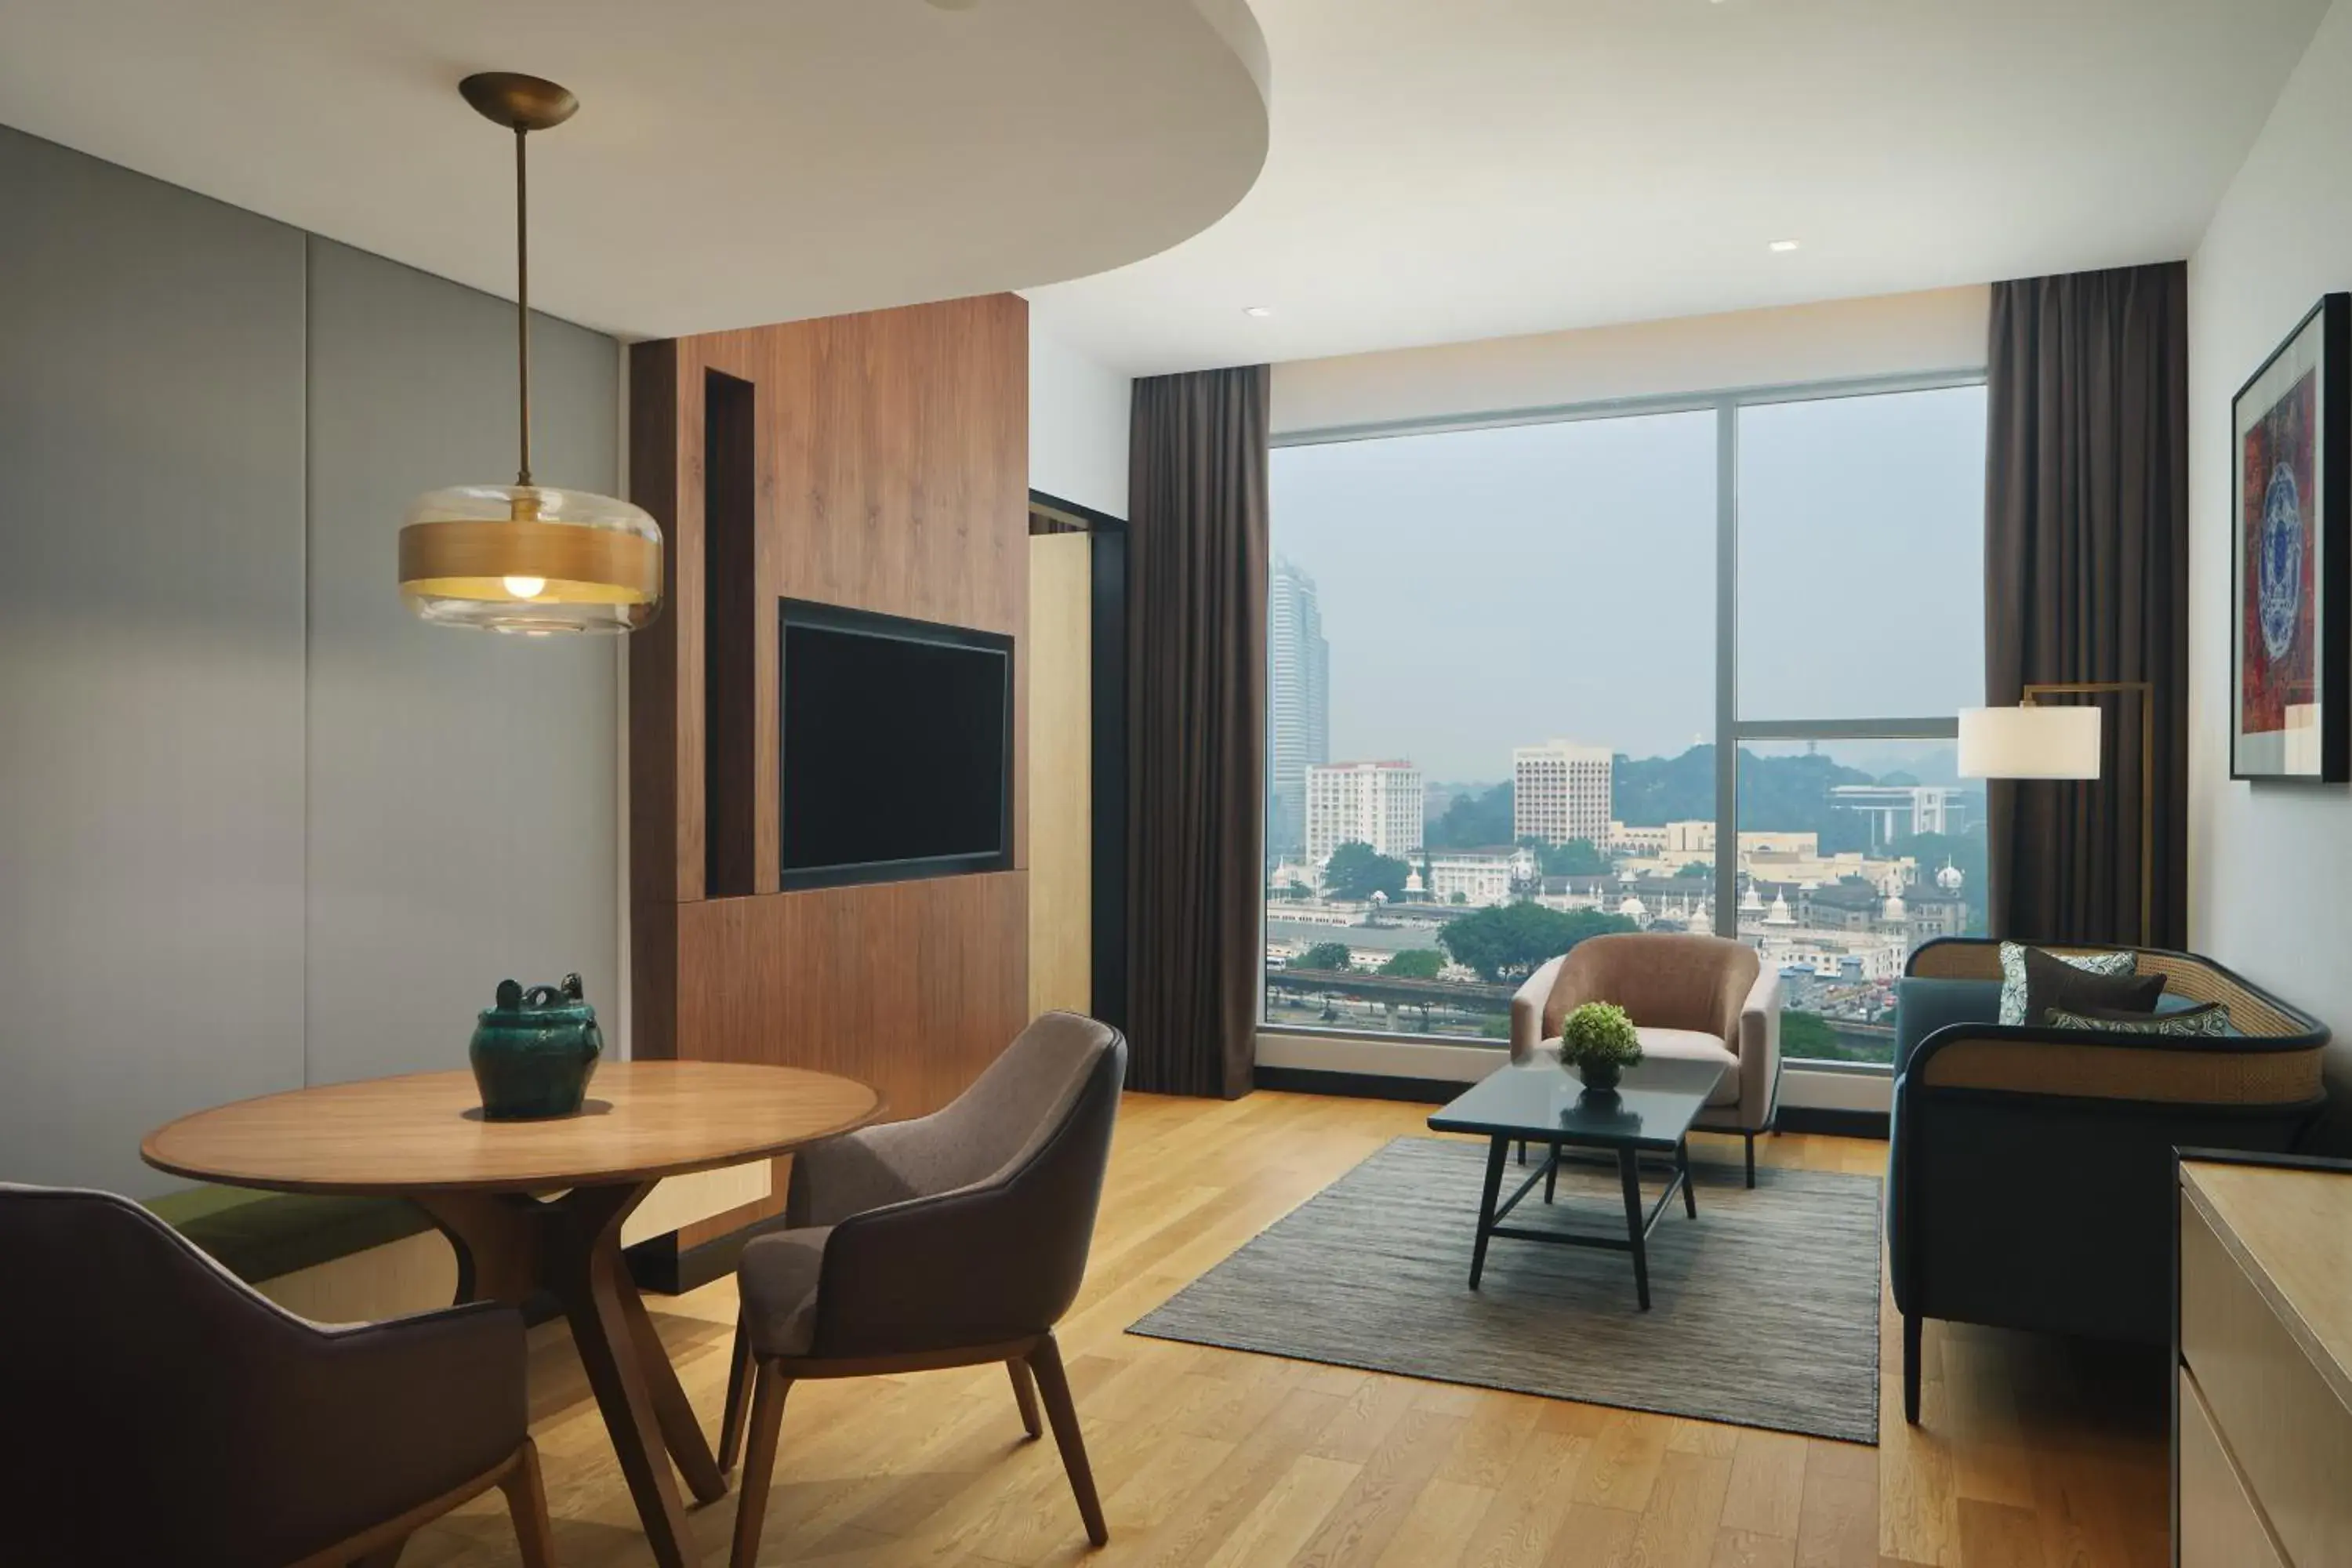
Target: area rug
<point>1764,1310</point>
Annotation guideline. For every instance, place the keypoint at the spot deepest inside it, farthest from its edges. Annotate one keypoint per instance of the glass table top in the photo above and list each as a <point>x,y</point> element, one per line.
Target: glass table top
<point>1652,1108</point>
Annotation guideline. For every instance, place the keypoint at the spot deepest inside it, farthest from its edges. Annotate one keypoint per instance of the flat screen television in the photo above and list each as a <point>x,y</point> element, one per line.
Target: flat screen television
<point>897,747</point>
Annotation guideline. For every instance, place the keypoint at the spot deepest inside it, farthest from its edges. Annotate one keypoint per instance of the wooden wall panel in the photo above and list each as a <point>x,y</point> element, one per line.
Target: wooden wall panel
<point>913,987</point>
<point>894,477</point>
<point>891,475</point>
<point>1061,781</point>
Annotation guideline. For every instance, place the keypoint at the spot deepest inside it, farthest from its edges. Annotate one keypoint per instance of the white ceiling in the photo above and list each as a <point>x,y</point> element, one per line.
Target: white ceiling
<point>1445,170</point>
<point>734,161</point>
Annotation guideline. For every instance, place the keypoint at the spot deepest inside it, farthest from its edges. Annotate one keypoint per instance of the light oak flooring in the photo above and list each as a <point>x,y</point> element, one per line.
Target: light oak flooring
<point>2032,1453</point>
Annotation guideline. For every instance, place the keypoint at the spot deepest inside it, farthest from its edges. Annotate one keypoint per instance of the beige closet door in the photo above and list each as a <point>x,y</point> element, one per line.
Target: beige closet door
<point>1060,652</point>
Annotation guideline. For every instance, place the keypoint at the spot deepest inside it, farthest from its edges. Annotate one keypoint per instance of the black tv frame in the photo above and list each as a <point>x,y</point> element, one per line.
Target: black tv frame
<point>900,628</point>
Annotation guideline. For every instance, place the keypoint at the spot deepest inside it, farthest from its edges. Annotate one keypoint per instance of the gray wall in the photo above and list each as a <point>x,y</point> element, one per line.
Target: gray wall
<point>257,828</point>
<point>151,659</point>
<point>2267,861</point>
<point>462,784</point>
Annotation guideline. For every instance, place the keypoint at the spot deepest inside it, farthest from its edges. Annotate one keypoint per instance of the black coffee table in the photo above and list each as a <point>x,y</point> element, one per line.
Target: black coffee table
<point>1539,1103</point>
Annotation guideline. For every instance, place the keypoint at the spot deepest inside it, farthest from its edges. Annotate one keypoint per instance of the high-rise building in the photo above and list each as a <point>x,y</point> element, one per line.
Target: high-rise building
<point>1559,791</point>
<point>1297,704</point>
<point>1377,803</point>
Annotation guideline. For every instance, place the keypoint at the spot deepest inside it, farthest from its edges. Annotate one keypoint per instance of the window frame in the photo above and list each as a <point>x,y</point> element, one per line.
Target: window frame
<point>1730,730</point>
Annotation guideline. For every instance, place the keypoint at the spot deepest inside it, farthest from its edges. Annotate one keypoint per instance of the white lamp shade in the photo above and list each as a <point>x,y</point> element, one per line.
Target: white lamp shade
<point>2057,742</point>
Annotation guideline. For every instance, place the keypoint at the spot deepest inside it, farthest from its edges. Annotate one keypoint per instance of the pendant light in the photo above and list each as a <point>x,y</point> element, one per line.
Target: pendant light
<point>524,557</point>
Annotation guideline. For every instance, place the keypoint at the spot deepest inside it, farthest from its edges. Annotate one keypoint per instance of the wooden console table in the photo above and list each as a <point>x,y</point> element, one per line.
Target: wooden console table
<point>422,1138</point>
<point>2262,1429</point>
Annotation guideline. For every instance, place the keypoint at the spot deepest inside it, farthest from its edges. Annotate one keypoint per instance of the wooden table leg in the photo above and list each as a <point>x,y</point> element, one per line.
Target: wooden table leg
<point>510,1244</point>
<point>681,1432</point>
<point>497,1237</point>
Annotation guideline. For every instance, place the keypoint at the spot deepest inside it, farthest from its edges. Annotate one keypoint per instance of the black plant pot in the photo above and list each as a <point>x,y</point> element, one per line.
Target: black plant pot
<point>1601,1078</point>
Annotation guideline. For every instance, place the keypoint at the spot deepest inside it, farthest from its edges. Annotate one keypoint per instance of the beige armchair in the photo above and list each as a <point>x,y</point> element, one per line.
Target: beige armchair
<point>1693,998</point>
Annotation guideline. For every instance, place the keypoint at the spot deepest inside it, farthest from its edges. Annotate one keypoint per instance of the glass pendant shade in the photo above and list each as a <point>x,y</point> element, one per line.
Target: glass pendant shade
<point>527,557</point>
<point>531,559</point>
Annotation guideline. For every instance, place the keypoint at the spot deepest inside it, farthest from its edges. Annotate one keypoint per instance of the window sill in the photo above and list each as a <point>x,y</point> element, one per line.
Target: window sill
<point>1808,1085</point>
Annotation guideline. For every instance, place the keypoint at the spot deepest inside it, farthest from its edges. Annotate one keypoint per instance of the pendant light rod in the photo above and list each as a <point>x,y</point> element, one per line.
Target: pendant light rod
<point>522,297</point>
<point>523,104</point>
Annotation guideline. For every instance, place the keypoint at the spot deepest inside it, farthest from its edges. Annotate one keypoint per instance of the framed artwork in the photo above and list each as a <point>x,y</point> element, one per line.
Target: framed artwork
<point>2291,556</point>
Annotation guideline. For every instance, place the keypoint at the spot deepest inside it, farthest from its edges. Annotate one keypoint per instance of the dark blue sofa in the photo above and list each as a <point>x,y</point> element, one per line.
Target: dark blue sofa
<point>2030,1169</point>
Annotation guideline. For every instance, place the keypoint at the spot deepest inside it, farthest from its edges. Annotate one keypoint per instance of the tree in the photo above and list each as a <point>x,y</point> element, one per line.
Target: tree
<point>1808,1035</point>
<point>1693,868</point>
<point>1356,871</point>
<point>1459,897</point>
<point>1509,939</point>
<point>1414,963</point>
<point>1577,858</point>
<point>1777,795</point>
<point>1325,955</point>
<point>1472,820</point>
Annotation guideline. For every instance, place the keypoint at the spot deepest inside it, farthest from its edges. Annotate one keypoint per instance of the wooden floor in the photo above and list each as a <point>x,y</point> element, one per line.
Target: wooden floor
<point>2030,1453</point>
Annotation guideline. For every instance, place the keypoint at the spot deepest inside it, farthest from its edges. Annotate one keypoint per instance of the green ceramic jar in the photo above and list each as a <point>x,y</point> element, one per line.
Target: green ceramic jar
<point>535,1051</point>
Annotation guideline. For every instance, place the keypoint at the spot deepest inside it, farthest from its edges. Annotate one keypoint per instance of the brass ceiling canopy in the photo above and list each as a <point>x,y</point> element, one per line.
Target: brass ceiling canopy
<point>519,102</point>
<point>525,557</point>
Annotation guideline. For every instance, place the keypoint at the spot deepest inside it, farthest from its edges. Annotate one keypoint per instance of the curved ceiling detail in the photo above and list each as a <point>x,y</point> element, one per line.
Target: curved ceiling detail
<point>734,161</point>
<point>1447,173</point>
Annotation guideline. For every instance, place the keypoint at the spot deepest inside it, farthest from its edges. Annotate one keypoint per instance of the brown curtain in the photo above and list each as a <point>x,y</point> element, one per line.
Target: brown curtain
<point>2086,578</point>
<point>1196,728</point>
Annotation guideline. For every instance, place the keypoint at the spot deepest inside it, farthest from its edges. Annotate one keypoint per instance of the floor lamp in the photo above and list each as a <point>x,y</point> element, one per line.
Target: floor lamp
<point>2032,740</point>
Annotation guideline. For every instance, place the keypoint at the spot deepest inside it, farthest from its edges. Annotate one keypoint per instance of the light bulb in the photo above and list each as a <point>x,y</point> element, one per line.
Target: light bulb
<point>526,588</point>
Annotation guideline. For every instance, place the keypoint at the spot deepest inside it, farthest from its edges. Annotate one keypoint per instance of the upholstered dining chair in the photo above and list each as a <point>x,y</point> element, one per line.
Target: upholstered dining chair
<point>1692,998</point>
<point>955,1239</point>
<point>159,1410</point>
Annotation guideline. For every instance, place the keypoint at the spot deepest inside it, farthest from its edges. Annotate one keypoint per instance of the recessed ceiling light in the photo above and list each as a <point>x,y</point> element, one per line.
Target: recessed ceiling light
<point>1784,245</point>
<point>1260,312</point>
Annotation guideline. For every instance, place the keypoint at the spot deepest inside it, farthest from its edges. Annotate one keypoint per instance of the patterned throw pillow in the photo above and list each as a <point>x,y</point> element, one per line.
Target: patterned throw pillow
<point>2013,974</point>
<point>2210,1018</point>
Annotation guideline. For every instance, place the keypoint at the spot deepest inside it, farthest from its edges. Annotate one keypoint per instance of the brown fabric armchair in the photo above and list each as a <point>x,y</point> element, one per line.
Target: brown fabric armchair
<point>1692,998</point>
<point>163,1411</point>
<point>954,1239</point>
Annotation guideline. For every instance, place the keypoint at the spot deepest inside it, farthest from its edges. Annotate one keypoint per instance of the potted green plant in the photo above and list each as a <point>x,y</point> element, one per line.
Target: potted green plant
<point>1598,1042</point>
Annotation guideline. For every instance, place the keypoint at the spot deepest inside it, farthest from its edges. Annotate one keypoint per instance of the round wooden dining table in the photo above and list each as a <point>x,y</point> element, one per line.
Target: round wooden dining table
<point>539,1206</point>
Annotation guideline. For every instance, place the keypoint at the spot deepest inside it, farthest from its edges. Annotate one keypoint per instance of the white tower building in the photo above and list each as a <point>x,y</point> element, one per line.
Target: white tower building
<point>1379,804</point>
<point>1297,702</point>
<point>1559,791</point>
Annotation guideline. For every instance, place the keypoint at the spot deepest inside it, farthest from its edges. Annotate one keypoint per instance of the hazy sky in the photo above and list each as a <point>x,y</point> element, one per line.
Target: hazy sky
<point>1483,589</point>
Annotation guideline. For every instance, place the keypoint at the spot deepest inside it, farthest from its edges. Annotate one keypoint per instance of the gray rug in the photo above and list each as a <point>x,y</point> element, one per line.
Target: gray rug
<point>1764,1310</point>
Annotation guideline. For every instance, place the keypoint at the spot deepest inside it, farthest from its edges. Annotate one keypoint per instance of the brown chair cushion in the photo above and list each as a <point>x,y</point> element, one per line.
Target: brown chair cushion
<point>1667,980</point>
<point>184,1419</point>
<point>991,1127</point>
<point>996,1255</point>
<point>777,1277</point>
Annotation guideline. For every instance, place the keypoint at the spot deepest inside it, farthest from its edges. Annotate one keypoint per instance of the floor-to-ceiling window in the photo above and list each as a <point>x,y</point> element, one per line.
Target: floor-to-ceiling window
<point>1501,654</point>
<point>1860,636</point>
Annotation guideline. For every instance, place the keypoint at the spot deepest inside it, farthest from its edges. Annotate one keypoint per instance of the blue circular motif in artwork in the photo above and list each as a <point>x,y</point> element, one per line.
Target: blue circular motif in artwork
<point>2279,584</point>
